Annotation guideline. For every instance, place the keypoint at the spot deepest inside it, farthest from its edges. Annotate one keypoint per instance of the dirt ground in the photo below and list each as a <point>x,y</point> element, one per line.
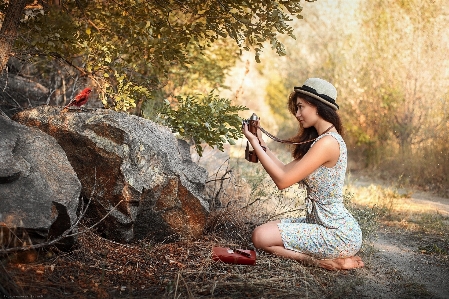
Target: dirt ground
<point>399,269</point>
<point>429,273</point>
<point>403,264</point>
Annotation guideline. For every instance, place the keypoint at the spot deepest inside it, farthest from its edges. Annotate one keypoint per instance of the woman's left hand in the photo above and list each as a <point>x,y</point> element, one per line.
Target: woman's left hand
<point>251,137</point>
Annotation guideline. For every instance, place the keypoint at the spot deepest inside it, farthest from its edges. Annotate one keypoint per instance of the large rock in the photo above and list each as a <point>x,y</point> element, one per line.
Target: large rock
<point>133,164</point>
<point>39,190</point>
<point>17,92</point>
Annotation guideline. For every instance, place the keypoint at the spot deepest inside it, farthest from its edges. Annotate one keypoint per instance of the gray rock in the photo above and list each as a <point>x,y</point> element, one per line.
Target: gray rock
<point>39,190</point>
<point>133,164</point>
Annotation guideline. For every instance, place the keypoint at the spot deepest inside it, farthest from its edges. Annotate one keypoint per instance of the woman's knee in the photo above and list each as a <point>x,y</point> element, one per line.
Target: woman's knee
<point>257,237</point>
<point>266,235</point>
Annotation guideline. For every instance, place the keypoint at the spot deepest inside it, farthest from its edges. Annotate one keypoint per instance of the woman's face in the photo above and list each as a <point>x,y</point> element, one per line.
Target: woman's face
<point>306,113</point>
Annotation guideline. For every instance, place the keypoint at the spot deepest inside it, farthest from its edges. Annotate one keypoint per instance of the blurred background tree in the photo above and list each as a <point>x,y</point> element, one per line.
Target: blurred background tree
<point>403,90</point>
<point>389,62</point>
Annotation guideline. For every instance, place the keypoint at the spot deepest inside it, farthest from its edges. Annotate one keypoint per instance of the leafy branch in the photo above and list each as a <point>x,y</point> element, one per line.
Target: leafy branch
<point>208,119</point>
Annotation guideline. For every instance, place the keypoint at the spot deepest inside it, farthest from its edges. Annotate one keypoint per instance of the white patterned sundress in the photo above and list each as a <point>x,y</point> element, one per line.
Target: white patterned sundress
<point>328,231</point>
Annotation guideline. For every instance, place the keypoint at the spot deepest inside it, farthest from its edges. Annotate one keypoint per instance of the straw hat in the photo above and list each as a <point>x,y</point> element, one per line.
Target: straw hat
<point>321,90</point>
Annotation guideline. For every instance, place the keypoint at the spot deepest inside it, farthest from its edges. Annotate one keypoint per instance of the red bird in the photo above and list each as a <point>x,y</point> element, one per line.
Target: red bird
<point>79,100</point>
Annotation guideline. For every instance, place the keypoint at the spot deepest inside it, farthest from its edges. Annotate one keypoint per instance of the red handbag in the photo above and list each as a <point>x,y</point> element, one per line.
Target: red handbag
<point>234,256</point>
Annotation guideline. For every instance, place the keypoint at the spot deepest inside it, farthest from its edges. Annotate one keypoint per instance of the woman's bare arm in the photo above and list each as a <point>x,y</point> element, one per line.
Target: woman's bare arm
<point>326,150</point>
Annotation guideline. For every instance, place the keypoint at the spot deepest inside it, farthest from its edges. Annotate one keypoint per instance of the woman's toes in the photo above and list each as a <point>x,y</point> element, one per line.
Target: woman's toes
<point>354,262</point>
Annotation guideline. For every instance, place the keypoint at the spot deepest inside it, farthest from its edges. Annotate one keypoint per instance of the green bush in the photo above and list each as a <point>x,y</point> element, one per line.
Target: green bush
<point>208,119</point>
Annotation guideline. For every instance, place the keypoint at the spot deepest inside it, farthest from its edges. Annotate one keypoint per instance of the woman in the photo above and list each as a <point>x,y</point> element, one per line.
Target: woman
<point>328,236</point>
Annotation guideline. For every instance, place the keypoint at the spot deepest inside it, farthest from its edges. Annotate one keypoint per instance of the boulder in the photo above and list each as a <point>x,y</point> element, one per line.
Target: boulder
<point>17,92</point>
<point>132,170</point>
<point>39,190</point>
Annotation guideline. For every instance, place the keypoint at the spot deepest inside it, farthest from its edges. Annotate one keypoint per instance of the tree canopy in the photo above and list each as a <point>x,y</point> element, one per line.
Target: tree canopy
<point>138,53</point>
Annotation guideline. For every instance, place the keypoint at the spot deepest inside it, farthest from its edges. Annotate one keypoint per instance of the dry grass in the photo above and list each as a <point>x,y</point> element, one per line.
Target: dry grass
<point>243,198</point>
<point>386,206</point>
<point>422,166</point>
<point>397,208</point>
<point>99,268</point>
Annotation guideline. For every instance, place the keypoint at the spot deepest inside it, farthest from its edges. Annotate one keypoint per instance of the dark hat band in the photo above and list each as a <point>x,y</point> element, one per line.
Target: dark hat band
<point>323,96</point>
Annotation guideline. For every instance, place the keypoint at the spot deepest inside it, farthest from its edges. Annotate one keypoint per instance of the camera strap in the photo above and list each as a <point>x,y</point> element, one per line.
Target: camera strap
<point>289,141</point>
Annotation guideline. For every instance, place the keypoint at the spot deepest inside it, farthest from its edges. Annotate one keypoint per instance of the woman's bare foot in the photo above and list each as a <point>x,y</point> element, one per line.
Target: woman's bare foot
<point>347,263</point>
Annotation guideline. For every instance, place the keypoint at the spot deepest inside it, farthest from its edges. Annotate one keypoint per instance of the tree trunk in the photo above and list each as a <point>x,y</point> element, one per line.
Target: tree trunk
<point>8,32</point>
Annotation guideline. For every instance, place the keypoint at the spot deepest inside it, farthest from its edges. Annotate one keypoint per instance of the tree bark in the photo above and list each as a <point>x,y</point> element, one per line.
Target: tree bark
<point>8,32</point>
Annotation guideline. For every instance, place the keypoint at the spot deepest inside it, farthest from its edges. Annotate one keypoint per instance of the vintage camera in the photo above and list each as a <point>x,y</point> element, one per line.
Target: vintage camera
<point>253,123</point>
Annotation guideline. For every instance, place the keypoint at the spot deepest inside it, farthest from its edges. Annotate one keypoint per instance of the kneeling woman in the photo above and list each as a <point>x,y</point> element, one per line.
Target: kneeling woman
<point>328,236</point>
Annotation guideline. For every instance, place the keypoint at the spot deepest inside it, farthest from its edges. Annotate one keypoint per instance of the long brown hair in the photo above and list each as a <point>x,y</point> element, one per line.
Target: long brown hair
<point>324,111</point>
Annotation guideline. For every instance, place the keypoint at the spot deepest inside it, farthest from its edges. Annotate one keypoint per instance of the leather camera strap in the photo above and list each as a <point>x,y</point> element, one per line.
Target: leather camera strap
<point>288,141</point>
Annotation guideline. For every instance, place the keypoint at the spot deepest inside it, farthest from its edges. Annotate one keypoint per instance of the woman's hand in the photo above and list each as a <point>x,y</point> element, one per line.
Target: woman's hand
<point>250,136</point>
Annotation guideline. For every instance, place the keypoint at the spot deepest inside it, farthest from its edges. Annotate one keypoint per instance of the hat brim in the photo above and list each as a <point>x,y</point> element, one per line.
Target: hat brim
<point>297,89</point>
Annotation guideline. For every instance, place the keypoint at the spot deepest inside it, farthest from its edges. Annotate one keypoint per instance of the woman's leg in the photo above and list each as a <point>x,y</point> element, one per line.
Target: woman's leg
<point>268,238</point>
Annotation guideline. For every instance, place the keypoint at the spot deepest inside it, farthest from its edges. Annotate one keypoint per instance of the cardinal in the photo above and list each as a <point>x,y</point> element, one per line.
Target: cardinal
<point>79,100</point>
